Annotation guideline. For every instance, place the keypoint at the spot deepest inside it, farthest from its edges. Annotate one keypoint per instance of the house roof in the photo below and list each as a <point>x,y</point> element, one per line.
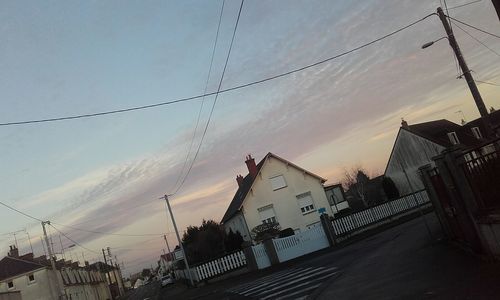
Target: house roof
<point>437,132</point>
<point>247,184</point>
<point>11,266</point>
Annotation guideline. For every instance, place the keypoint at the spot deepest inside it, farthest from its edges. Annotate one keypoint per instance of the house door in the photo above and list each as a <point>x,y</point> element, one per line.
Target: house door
<point>449,209</point>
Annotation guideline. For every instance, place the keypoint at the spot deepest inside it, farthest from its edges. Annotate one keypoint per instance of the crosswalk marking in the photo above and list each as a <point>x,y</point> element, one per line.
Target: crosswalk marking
<point>279,284</point>
<point>270,278</point>
<point>272,283</point>
<point>288,296</point>
<point>288,284</point>
<point>297,286</point>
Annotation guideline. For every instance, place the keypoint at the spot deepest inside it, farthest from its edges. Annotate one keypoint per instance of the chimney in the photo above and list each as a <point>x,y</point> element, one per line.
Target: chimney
<point>404,124</point>
<point>239,179</point>
<point>14,252</point>
<point>252,168</point>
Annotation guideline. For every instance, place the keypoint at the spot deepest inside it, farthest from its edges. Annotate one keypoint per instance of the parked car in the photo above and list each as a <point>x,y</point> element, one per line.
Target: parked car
<point>166,280</point>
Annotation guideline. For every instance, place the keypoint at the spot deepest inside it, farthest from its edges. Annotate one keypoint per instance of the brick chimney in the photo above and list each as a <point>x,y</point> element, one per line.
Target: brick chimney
<point>14,252</point>
<point>239,179</point>
<point>252,167</point>
<point>404,124</point>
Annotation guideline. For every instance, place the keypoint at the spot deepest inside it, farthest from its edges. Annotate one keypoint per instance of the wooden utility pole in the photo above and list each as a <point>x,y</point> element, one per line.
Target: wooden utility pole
<point>52,259</point>
<point>180,241</point>
<point>106,266</point>
<point>466,72</point>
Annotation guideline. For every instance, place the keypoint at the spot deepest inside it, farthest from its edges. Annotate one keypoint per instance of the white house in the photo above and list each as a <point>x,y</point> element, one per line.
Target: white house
<point>35,279</point>
<point>276,190</point>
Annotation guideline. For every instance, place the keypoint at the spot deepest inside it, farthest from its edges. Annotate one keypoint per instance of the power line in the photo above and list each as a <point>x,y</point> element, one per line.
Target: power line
<point>486,82</point>
<point>22,213</point>
<point>204,92</point>
<point>465,4</point>
<point>474,27</point>
<point>222,90</point>
<point>477,40</point>
<point>109,233</point>
<point>76,243</point>
<point>214,103</point>
<point>79,229</point>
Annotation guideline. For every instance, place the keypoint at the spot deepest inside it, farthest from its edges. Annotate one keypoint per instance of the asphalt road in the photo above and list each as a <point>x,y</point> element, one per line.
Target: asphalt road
<point>378,267</point>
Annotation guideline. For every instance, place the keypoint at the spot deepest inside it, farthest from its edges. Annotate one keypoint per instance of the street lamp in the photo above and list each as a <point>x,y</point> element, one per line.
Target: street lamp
<point>428,44</point>
<point>485,118</point>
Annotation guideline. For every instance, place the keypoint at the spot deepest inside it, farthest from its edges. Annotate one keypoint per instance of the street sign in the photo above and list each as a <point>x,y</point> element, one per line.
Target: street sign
<point>322,210</point>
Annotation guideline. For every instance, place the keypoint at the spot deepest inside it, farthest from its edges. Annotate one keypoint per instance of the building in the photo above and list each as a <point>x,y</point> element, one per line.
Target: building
<point>276,190</point>
<point>415,145</point>
<point>34,278</point>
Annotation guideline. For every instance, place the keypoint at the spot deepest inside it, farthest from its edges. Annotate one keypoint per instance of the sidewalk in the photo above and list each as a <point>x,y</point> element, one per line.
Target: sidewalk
<point>412,266</point>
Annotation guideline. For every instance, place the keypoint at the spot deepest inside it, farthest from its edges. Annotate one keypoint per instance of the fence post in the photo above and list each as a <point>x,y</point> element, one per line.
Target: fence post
<point>250,256</point>
<point>271,250</point>
<point>326,223</point>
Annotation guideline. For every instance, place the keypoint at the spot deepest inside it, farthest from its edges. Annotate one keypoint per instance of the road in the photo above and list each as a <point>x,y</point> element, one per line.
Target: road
<point>372,268</point>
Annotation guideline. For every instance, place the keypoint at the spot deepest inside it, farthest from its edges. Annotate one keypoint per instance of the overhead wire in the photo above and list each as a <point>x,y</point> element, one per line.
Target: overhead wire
<point>20,212</point>
<point>476,28</point>
<point>191,98</point>
<point>79,229</point>
<point>487,82</point>
<point>204,92</point>
<point>214,102</point>
<point>465,4</point>
<point>476,39</point>
<point>76,243</point>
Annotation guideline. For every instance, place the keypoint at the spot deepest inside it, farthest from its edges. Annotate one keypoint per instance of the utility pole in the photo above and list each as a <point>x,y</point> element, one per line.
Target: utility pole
<point>43,246</point>
<point>62,248</point>
<point>52,258</point>
<point>166,241</point>
<point>179,240</point>
<point>466,72</point>
<point>29,240</point>
<point>106,266</point>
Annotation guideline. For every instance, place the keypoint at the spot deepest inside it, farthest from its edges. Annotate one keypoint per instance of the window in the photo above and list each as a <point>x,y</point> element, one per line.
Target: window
<point>305,202</point>
<point>10,284</point>
<point>453,138</point>
<point>31,278</point>
<point>476,132</point>
<point>278,182</point>
<point>267,214</point>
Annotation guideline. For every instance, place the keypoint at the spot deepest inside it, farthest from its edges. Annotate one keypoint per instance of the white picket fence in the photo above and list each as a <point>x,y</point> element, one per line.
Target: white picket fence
<point>221,265</point>
<point>352,222</point>
<point>215,267</point>
<point>301,243</point>
<point>261,257</point>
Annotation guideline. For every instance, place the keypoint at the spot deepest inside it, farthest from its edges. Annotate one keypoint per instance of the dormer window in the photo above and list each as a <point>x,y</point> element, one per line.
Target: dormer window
<point>477,133</point>
<point>453,138</point>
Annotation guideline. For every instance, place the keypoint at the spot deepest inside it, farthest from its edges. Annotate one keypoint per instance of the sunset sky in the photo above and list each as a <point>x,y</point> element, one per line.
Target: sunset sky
<point>60,58</point>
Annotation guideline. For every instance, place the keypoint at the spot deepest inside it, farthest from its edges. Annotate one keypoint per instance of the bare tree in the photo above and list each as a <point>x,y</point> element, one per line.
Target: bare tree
<point>355,181</point>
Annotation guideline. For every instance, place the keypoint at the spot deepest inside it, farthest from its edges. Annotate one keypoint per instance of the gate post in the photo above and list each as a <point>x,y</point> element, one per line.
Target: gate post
<point>434,199</point>
<point>250,256</point>
<point>271,250</point>
<point>326,223</point>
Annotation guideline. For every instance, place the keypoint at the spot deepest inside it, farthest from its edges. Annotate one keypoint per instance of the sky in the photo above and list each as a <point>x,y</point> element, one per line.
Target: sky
<point>106,174</point>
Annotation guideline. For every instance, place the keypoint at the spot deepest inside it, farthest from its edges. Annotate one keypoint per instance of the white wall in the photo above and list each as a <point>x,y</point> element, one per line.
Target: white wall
<point>284,200</point>
<point>411,151</point>
<point>43,288</point>
<point>237,223</point>
<point>39,289</point>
